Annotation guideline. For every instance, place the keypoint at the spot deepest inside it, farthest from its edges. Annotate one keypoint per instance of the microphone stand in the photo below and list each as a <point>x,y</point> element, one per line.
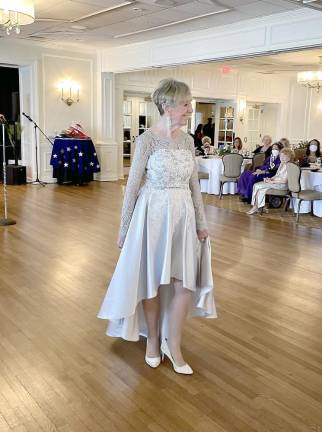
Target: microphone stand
<point>5,221</point>
<point>37,181</point>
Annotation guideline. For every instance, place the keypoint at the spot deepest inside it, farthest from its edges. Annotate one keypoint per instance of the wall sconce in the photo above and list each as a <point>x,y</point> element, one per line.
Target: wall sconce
<point>69,91</point>
<point>229,112</point>
<point>241,109</point>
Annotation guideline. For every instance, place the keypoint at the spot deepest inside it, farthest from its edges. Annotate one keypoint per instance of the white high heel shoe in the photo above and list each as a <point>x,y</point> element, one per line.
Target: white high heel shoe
<point>153,362</point>
<point>185,369</point>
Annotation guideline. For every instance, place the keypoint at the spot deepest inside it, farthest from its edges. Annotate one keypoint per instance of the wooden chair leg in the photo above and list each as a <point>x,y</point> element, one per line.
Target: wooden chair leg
<point>287,203</point>
<point>221,189</point>
<point>298,211</point>
<point>284,209</point>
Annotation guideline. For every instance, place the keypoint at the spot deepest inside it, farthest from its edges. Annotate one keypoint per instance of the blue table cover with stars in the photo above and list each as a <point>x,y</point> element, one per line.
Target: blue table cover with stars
<point>74,160</point>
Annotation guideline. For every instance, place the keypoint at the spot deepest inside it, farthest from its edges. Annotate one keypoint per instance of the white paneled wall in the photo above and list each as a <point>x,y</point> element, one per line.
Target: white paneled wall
<point>304,115</point>
<point>314,116</point>
<point>288,110</point>
<point>40,69</point>
<point>208,81</point>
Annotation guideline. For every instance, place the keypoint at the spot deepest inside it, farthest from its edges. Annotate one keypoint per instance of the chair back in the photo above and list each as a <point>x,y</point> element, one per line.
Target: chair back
<point>258,161</point>
<point>232,165</point>
<point>293,177</point>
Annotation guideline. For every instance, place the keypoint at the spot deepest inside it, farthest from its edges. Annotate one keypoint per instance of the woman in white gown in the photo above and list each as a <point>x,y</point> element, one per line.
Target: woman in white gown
<point>164,270</point>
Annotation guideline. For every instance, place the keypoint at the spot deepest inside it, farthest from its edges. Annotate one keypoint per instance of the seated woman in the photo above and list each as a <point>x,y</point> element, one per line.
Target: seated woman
<point>312,153</point>
<point>266,146</point>
<point>206,145</point>
<point>279,181</point>
<point>268,169</point>
<point>285,142</point>
<point>237,145</point>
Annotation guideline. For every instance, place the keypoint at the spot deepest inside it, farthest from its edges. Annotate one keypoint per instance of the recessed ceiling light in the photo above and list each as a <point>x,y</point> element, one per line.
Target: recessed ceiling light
<point>136,9</point>
<point>79,27</point>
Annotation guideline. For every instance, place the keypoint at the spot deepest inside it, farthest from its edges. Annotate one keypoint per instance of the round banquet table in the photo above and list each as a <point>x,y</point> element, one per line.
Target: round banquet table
<point>215,168</point>
<point>310,180</point>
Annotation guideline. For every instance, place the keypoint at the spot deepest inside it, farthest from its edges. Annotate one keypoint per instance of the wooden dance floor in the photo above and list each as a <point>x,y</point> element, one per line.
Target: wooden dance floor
<point>258,367</point>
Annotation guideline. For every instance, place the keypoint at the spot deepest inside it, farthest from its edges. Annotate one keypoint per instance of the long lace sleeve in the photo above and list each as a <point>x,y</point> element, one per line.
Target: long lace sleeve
<point>139,161</point>
<point>195,192</point>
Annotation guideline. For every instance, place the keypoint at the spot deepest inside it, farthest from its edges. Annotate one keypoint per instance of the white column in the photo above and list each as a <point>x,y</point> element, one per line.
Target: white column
<point>107,148</point>
<point>28,78</point>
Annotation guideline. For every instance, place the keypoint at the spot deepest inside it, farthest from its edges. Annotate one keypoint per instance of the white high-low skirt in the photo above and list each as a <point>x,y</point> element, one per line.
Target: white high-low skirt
<point>161,244</point>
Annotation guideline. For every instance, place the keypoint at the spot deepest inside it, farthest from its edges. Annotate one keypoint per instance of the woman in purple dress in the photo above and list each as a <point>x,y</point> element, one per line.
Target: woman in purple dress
<point>268,169</point>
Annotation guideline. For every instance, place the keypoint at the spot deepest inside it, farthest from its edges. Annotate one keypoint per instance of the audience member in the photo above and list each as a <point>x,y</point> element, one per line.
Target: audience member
<point>266,170</point>
<point>285,142</point>
<point>312,153</point>
<point>266,146</point>
<point>198,138</point>
<point>279,181</point>
<point>209,129</point>
<point>237,145</point>
<point>206,145</point>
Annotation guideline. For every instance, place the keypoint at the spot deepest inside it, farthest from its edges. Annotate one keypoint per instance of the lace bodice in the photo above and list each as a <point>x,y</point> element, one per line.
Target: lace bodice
<point>162,164</point>
<point>169,168</point>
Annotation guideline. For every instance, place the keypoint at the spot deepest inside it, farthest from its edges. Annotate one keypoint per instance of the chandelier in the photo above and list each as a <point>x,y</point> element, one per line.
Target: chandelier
<point>15,13</point>
<point>311,79</point>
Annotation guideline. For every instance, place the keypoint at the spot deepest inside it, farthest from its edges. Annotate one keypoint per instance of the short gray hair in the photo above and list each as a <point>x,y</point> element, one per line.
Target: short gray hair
<point>170,92</point>
<point>267,136</point>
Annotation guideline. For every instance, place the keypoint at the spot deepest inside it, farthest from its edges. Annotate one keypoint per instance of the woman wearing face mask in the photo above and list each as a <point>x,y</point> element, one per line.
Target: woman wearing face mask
<point>164,269</point>
<point>278,181</point>
<point>312,153</point>
<point>268,169</point>
<point>266,146</point>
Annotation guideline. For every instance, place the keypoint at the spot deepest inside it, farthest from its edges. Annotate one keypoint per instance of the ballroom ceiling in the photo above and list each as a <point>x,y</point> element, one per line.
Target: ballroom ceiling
<point>287,63</point>
<point>105,23</point>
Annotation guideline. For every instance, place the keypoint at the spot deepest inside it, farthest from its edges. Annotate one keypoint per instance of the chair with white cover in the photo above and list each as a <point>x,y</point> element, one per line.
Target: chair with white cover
<point>294,185</point>
<point>232,169</point>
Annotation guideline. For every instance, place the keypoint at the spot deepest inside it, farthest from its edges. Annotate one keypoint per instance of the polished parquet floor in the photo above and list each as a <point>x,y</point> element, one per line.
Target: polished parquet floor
<point>258,367</point>
<point>232,202</point>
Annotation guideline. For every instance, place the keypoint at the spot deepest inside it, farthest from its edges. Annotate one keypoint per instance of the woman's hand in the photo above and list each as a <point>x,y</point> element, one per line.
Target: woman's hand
<point>267,180</point>
<point>120,242</point>
<point>202,234</point>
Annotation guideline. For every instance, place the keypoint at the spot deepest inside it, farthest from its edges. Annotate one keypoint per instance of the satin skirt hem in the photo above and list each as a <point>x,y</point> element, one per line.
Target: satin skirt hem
<point>161,244</point>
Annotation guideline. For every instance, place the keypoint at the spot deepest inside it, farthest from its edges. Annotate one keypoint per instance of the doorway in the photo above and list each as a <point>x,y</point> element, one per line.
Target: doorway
<point>262,119</point>
<point>205,113</point>
<point>139,113</point>
<point>10,108</point>
<point>217,117</point>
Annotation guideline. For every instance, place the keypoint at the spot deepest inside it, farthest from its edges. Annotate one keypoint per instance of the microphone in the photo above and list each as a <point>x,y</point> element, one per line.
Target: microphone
<point>28,117</point>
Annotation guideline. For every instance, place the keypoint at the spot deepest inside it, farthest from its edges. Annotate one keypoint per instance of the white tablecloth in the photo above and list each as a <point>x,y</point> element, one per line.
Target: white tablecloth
<point>215,168</point>
<point>310,180</point>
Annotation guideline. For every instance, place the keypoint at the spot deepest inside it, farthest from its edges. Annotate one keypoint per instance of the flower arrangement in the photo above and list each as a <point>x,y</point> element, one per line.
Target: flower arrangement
<point>301,145</point>
<point>226,149</point>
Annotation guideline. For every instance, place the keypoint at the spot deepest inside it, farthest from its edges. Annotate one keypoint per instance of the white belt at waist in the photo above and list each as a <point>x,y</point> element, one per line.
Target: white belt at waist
<point>155,187</point>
